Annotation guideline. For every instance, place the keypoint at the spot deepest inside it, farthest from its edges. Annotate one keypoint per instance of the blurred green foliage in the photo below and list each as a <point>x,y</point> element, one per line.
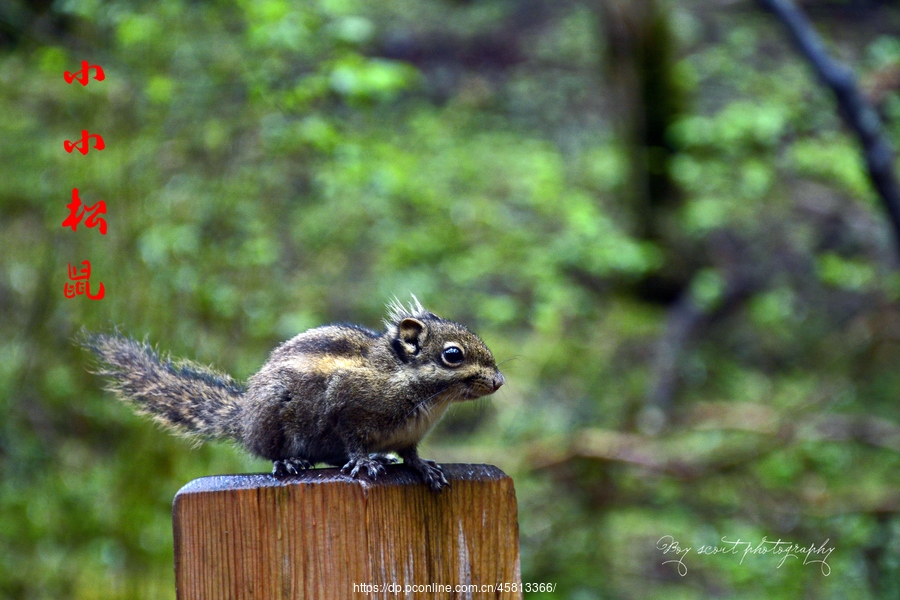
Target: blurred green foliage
<point>274,165</point>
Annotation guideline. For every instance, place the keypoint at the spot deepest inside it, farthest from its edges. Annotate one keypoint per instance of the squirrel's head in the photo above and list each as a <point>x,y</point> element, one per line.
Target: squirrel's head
<point>444,354</point>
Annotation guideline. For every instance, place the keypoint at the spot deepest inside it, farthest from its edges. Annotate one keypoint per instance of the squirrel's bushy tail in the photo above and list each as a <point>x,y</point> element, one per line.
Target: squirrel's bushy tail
<point>184,396</point>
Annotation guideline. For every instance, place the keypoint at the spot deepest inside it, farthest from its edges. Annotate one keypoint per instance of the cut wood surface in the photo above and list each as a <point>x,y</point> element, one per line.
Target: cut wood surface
<point>324,535</point>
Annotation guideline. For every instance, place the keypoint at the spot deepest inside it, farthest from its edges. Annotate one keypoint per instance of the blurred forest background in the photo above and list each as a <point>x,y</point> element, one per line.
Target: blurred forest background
<point>651,211</point>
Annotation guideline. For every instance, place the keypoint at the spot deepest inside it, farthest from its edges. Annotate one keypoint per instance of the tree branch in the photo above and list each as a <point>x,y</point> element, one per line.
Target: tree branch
<point>687,316</point>
<point>855,109</point>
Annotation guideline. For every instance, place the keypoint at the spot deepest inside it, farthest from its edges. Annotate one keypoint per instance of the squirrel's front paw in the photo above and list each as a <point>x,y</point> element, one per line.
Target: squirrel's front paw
<point>372,466</point>
<point>431,472</point>
<point>290,466</point>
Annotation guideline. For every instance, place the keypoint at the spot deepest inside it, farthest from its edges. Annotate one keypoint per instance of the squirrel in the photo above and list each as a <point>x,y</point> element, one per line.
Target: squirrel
<point>339,394</point>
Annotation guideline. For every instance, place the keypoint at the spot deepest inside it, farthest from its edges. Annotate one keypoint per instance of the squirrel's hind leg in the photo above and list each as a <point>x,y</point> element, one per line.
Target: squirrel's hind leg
<point>370,464</point>
<point>290,466</point>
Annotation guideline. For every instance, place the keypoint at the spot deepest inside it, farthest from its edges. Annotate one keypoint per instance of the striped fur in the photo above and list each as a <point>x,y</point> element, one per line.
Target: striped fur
<point>184,396</point>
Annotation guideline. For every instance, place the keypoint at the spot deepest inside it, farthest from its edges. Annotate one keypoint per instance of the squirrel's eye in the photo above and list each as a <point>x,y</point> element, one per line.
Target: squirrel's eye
<point>453,356</point>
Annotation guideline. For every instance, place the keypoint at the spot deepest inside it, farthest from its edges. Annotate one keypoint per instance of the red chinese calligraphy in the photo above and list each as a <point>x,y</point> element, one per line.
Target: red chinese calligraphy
<point>83,76</point>
<point>83,145</point>
<point>82,285</point>
<point>77,212</point>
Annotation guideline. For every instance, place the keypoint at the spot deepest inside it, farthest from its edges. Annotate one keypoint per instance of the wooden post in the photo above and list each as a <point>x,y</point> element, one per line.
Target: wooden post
<point>324,535</point>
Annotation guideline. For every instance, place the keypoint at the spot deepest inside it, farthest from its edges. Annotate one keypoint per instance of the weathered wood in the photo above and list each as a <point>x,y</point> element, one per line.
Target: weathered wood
<point>324,535</point>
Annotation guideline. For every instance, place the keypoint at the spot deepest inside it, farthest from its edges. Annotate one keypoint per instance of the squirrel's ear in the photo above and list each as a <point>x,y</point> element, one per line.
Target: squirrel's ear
<point>410,337</point>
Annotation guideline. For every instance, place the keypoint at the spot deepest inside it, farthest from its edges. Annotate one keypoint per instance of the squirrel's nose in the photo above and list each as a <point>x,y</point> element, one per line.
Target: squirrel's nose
<point>498,381</point>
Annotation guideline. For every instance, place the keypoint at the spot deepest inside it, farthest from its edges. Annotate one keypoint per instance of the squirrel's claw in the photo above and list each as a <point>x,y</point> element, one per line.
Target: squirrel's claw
<point>290,466</point>
<point>433,475</point>
<point>372,467</point>
<point>430,471</point>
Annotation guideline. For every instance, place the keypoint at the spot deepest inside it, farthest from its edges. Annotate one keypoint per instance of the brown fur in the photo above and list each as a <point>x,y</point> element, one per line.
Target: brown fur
<point>338,394</point>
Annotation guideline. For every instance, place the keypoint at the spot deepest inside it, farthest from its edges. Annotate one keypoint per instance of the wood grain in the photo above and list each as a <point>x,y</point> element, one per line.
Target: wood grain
<point>324,535</point>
